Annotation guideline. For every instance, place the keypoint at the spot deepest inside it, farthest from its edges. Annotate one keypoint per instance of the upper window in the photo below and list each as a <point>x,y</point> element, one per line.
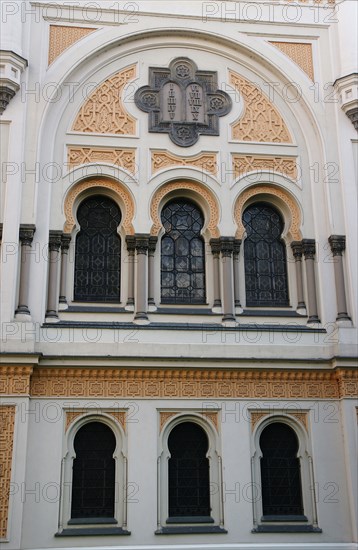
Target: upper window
<point>182,254</point>
<point>98,251</point>
<point>265,257</point>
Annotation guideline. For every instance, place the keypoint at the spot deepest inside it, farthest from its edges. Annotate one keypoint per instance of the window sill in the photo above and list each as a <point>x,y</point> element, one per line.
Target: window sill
<point>191,530</point>
<point>91,521</point>
<point>92,531</point>
<point>284,518</point>
<point>190,519</point>
<point>286,529</point>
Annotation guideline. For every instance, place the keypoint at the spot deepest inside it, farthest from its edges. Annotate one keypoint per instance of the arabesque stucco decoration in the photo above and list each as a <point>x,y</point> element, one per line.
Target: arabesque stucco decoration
<point>125,158</point>
<point>205,161</point>
<point>7,425</point>
<point>15,379</point>
<point>98,184</point>
<point>63,37</point>
<point>260,120</point>
<point>191,186</point>
<point>103,112</point>
<point>243,164</point>
<point>73,414</point>
<point>301,416</point>
<point>192,383</point>
<point>210,415</point>
<point>295,221</point>
<point>300,53</point>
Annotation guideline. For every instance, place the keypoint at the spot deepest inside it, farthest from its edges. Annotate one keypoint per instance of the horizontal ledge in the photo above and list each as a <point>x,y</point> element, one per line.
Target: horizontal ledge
<point>94,309</point>
<point>191,530</point>
<point>286,529</point>
<point>91,521</point>
<point>190,519</point>
<point>286,518</point>
<point>92,531</point>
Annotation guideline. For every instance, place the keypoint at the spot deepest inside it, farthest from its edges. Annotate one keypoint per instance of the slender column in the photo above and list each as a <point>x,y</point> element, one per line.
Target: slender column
<point>65,245</point>
<point>26,235</point>
<point>130,240</point>
<point>297,250</point>
<point>54,258</point>
<point>309,250</point>
<point>151,272</point>
<point>215,250</point>
<point>227,249</point>
<point>237,245</point>
<point>141,245</point>
<point>338,245</point>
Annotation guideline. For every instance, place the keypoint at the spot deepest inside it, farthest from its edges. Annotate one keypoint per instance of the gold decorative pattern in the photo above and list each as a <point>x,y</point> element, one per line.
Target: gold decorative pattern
<point>103,183</point>
<point>125,158</point>
<point>260,121</point>
<point>164,159</point>
<point>301,54</point>
<point>209,415</point>
<point>257,415</point>
<point>15,379</point>
<point>72,415</point>
<point>242,164</point>
<point>191,383</point>
<point>62,37</point>
<point>103,112</point>
<point>348,382</point>
<point>164,417</point>
<point>7,425</point>
<point>183,185</point>
<point>295,225</point>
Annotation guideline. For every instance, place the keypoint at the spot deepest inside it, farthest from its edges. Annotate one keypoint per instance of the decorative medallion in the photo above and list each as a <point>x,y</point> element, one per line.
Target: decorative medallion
<point>183,102</point>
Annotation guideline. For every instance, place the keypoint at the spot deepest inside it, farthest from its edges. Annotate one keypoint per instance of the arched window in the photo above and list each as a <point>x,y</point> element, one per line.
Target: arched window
<point>98,251</point>
<point>188,472</point>
<point>265,257</point>
<point>280,471</point>
<point>182,254</point>
<point>93,480</point>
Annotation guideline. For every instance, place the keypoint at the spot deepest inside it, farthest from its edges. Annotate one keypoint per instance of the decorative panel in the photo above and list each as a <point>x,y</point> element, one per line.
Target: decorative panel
<point>249,163</point>
<point>125,158</point>
<point>260,120</point>
<point>73,414</point>
<point>15,379</point>
<point>301,416</point>
<point>300,53</point>
<point>103,112</point>
<point>209,415</point>
<point>7,425</point>
<point>164,159</point>
<point>62,37</point>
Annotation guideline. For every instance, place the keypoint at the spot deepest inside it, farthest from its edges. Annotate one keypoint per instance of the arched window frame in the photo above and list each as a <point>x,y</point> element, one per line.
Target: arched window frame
<point>309,521</point>
<point>215,480</point>
<point>286,238</point>
<point>70,283</point>
<point>92,526</point>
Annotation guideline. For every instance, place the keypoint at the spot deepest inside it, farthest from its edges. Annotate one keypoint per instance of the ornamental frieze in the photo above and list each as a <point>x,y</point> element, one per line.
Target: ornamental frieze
<point>183,101</point>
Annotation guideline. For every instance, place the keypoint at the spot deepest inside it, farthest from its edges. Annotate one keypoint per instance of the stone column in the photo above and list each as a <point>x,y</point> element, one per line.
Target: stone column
<point>65,245</point>
<point>26,235</point>
<point>54,259</point>
<point>141,245</point>
<point>309,250</point>
<point>215,250</point>
<point>297,250</point>
<point>130,240</point>
<point>237,246</point>
<point>151,273</point>
<point>227,250</point>
<point>338,245</point>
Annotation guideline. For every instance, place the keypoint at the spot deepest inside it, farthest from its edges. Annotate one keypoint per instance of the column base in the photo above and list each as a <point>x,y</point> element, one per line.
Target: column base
<point>301,310</point>
<point>314,320</point>
<point>51,317</point>
<point>22,310</point>
<point>62,306</point>
<point>216,309</point>
<point>26,317</point>
<point>344,323</point>
<point>239,310</point>
<point>141,318</point>
<point>152,307</point>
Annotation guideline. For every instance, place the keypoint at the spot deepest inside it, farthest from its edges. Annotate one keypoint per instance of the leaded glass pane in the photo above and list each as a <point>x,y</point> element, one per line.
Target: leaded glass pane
<point>188,470</point>
<point>280,471</point>
<point>98,251</point>
<point>265,258</point>
<point>182,254</point>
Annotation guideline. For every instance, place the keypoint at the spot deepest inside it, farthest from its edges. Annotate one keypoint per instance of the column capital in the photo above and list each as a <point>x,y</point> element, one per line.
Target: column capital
<point>26,233</point>
<point>227,246</point>
<point>215,246</point>
<point>152,245</point>
<point>297,249</point>
<point>65,241</point>
<point>309,248</point>
<point>142,243</point>
<point>54,242</point>
<point>130,242</point>
<point>338,244</point>
<point>237,246</point>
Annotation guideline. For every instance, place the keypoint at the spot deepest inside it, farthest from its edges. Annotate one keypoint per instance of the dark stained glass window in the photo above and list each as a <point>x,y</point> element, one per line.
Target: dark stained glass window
<point>265,257</point>
<point>189,493</point>
<point>182,254</point>
<point>93,478</point>
<point>280,471</point>
<point>98,251</point>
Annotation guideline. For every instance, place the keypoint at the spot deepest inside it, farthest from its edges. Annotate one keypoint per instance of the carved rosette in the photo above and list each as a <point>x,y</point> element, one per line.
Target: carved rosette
<point>183,102</point>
